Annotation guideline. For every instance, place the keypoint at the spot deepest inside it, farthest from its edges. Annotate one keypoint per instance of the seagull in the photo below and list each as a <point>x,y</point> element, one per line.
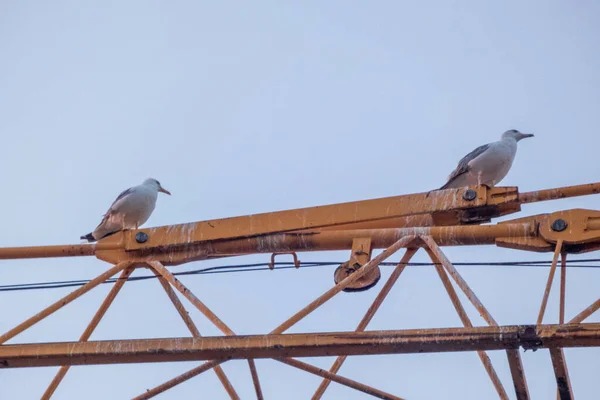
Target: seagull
<point>488,164</point>
<point>131,209</point>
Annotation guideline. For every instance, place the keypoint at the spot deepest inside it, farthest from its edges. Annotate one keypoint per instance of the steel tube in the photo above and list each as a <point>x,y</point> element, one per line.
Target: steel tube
<point>299,345</point>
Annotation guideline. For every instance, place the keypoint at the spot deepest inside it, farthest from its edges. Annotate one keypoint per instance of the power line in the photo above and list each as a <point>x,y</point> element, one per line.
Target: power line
<point>282,266</point>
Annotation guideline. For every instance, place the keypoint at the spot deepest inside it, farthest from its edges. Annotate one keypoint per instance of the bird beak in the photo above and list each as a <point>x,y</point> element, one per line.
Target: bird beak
<point>161,189</point>
<point>526,135</point>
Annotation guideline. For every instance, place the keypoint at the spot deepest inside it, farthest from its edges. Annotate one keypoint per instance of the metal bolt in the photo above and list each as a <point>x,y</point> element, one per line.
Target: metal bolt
<point>469,195</point>
<point>559,225</point>
<point>141,237</point>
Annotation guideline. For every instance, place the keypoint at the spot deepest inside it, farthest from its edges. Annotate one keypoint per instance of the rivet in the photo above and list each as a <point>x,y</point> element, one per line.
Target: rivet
<point>470,195</point>
<point>559,225</point>
<point>141,237</point>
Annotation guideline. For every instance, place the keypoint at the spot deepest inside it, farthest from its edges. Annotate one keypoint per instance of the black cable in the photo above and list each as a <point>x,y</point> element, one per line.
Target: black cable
<point>281,265</point>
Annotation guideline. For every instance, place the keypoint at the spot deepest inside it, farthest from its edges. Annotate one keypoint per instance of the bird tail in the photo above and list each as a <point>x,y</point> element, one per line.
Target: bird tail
<point>89,237</point>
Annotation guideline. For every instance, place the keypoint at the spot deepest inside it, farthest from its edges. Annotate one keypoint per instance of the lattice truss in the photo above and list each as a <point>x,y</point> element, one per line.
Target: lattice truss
<point>418,222</point>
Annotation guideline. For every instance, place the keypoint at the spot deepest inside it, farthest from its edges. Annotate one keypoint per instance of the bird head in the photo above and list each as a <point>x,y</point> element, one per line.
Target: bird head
<point>156,184</point>
<point>516,135</point>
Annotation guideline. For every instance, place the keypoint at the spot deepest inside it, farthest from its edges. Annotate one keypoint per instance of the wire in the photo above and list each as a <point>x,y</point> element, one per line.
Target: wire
<point>281,266</point>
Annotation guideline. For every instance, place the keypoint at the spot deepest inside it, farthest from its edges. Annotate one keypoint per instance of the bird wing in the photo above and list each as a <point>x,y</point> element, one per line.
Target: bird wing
<point>113,207</point>
<point>123,194</point>
<point>463,164</point>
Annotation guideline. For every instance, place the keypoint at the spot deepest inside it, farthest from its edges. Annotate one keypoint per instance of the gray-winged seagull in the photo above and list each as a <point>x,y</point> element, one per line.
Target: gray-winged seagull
<point>131,209</point>
<point>487,164</point>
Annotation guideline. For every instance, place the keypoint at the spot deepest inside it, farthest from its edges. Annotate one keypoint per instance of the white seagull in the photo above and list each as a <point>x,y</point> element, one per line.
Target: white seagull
<point>488,164</point>
<point>130,210</point>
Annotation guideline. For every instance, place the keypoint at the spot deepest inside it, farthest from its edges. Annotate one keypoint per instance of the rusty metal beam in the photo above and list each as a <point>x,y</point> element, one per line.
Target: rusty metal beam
<point>332,240</point>
<point>551,273</point>
<point>339,379</point>
<point>317,217</point>
<point>405,241</point>
<point>439,254</point>
<point>586,313</point>
<point>90,329</point>
<point>345,213</point>
<point>290,321</point>
<point>194,330</point>
<point>63,302</point>
<point>563,287</point>
<point>413,210</point>
<point>148,394</point>
<point>460,310</point>
<point>170,278</point>
<point>563,382</point>
<point>385,290</point>
<point>518,374</point>
<point>514,358</point>
<point>559,193</point>
<point>299,345</point>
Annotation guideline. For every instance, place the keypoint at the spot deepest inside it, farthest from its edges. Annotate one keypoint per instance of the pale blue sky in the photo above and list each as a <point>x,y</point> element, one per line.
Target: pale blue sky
<point>245,107</point>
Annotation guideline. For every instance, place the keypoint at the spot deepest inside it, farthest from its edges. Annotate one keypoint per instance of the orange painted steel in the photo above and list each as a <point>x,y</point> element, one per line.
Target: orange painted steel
<point>385,290</point>
<point>451,270</point>
<point>90,328</point>
<point>339,379</point>
<point>170,278</point>
<point>563,288</point>
<point>518,374</point>
<point>415,210</point>
<point>313,217</point>
<point>460,310</point>
<point>563,382</point>
<point>194,331</point>
<point>63,302</point>
<point>514,358</point>
<point>551,273</point>
<point>306,310</point>
<point>178,380</point>
<point>438,218</point>
<point>559,193</point>
<point>579,318</point>
<point>221,348</point>
<point>405,241</point>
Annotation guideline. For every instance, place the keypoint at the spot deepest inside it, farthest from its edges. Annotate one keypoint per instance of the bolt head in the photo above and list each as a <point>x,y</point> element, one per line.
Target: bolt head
<point>559,225</point>
<point>470,195</point>
<point>141,237</point>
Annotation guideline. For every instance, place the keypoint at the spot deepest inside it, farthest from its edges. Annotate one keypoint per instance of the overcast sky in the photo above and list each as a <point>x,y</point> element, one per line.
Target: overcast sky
<point>246,107</point>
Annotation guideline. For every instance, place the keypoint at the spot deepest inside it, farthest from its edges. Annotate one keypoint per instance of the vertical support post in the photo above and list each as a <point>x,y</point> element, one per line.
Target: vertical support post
<point>563,284</point>
<point>563,287</point>
<point>410,252</point>
<point>557,252</point>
